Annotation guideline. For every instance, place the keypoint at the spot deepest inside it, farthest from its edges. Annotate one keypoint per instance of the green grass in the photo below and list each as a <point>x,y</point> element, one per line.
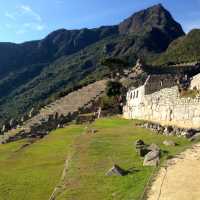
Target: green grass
<point>95,154</point>
<point>33,172</point>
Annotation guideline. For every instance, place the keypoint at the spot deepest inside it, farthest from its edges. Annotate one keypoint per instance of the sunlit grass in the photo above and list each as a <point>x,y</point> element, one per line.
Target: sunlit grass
<point>95,154</point>
<point>33,172</point>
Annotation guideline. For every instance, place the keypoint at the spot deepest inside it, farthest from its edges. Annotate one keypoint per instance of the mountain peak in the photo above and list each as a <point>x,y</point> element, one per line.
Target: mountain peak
<point>160,6</point>
<point>155,17</point>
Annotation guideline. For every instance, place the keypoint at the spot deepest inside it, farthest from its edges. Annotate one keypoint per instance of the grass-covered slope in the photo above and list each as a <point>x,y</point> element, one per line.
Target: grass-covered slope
<point>31,173</point>
<point>34,171</point>
<point>95,154</point>
<point>184,49</point>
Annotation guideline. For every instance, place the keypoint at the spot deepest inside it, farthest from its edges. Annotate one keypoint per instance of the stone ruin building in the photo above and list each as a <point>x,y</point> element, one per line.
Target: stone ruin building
<point>159,100</point>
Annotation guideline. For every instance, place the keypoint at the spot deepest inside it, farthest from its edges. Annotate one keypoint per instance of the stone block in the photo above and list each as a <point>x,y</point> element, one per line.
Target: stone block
<point>169,143</point>
<point>117,171</point>
<point>152,158</point>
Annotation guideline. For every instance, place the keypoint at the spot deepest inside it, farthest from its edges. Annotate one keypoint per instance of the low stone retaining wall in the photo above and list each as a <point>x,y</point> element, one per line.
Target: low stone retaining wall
<point>169,130</point>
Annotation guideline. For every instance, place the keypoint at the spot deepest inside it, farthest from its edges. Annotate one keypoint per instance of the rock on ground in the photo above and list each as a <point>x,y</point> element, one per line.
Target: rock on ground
<point>117,171</point>
<point>169,143</point>
<point>152,158</point>
<point>195,137</point>
<point>154,147</point>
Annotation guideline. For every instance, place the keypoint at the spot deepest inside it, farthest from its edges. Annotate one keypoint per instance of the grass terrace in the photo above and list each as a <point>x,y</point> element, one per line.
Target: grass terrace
<point>32,172</point>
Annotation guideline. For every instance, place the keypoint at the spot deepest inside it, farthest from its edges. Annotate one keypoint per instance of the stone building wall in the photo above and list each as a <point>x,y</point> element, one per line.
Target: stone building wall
<point>156,82</point>
<point>195,82</point>
<point>165,107</point>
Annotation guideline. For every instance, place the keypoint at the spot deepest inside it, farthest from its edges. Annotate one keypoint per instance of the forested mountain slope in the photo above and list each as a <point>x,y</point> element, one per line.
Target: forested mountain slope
<point>34,73</point>
<point>184,49</point>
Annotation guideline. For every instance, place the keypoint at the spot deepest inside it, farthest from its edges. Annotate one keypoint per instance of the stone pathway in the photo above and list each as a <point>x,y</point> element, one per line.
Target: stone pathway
<point>180,179</point>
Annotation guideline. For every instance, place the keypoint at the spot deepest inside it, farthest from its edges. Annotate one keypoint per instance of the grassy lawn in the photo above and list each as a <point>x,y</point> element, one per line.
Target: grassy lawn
<point>113,143</point>
<point>32,173</point>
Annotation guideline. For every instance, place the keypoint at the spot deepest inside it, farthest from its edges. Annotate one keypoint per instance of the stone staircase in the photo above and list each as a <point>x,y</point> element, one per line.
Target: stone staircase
<point>68,104</point>
<point>58,113</point>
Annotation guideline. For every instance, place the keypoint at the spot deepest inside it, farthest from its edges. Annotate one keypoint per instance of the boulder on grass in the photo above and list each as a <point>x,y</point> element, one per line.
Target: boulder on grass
<point>168,130</point>
<point>152,158</point>
<point>139,143</point>
<point>188,133</point>
<point>142,151</point>
<point>195,137</point>
<point>153,147</point>
<point>116,171</point>
<point>169,143</point>
<point>141,148</point>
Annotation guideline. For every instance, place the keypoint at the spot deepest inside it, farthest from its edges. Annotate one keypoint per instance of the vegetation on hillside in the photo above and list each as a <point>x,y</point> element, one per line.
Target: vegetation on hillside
<point>112,102</point>
<point>32,172</point>
<point>115,66</point>
<point>35,73</point>
<point>184,49</point>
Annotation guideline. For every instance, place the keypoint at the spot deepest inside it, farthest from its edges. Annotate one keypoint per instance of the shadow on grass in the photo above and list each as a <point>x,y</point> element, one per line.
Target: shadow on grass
<point>132,171</point>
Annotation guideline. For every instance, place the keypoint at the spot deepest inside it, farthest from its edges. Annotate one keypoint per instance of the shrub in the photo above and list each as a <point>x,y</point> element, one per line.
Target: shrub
<point>114,88</point>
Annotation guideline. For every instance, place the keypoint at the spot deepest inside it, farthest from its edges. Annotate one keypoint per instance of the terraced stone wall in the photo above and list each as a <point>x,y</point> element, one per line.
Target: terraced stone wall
<point>164,106</point>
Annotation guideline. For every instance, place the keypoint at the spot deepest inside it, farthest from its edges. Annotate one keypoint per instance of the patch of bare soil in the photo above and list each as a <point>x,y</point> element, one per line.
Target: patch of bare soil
<point>180,179</point>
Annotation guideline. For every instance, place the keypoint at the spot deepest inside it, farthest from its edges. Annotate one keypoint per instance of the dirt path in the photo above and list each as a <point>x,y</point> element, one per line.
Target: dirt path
<point>180,179</point>
<point>59,187</point>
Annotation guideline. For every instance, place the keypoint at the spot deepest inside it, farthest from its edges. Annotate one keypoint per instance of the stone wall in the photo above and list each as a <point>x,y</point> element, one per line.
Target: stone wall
<point>195,82</point>
<point>157,82</point>
<point>164,106</point>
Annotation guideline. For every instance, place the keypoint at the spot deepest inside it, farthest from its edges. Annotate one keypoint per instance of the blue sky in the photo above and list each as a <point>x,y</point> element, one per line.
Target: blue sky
<point>23,20</point>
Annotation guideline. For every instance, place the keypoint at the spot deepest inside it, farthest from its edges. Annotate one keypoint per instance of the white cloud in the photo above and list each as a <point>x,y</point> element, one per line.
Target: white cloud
<point>26,9</point>
<point>20,32</point>
<point>27,27</point>
<point>10,16</point>
<point>28,19</point>
<point>34,26</point>
<point>40,27</point>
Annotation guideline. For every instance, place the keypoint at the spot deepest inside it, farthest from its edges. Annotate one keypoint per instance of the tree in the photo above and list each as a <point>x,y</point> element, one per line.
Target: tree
<point>114,88</point>
<point>115,95</point>
<point>115,65</point>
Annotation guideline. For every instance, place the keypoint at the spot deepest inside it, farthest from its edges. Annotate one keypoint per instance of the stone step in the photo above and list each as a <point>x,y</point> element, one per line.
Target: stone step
<point>69,103</point>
